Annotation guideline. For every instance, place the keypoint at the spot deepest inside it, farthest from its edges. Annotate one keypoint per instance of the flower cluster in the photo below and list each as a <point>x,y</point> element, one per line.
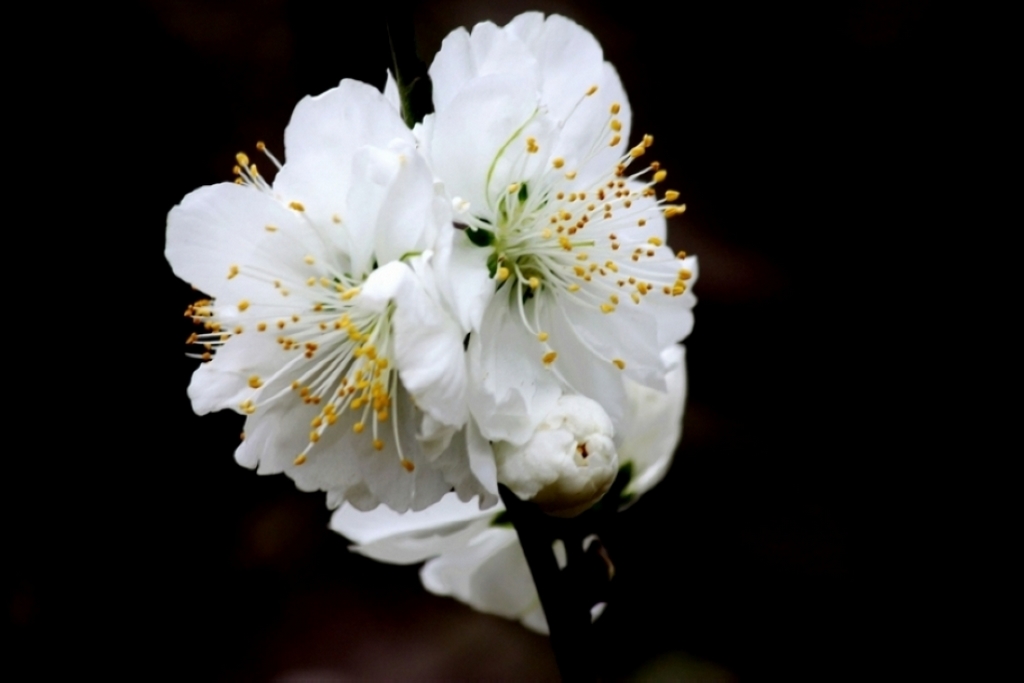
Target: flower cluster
<point>407,314</point>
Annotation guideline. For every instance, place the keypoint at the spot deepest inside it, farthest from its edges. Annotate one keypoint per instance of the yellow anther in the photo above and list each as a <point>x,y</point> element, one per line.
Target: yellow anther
<point>656,241</point>
<point>534,283</point>
<point>637,151</point>
<point>317,421</point>
<point>684,274</point>
<point>261,146</point>
<point>310,281</point>
<point>297,206</point>
<point>571,175</point>
<point>641,287</point>
<point>242,159</point>
<point>270,228</point>
<point>335,218</point>
<point>572,196</point>
<point>255,382</point>
<point>607,308</point>
<point>642,222</point>
<point>542,336</point>
<point>253,170</point>
<point>681,255</point>
<point>610,265</point>
<point>581,257</point>
<point>671,195</point>
<point>378,444</point>
<point>671,211</point>
<point>549,357</point>
<point>591,90</point>
<point>635,297</point>
<point>573,287</point>
<point>243,304</point>
<point>659,176</point>
<point>261,327</point>
<point>350,294</point>
<point>566,216</point>
<point>546,233</point>
<point>237,170</point>
<point>232,271</point>
<point>616,125</point>
<point>502,274</point>
<point>619,363</point>
<point>358,427</point>
<point>513,188</point>
<point>331,419</point>
<point>382,416</point>
<point>616,139</point>
<point>558,162</point>
<point>648,140</point>
<point>678,289</point>
<point>615,108</point>
<point>314,437</point>
<point>531,145</point>
<point>309,259</point>
<point>239,181</point>
<point>407,465</point>
<point>299,459</point>
<point>614,299</point>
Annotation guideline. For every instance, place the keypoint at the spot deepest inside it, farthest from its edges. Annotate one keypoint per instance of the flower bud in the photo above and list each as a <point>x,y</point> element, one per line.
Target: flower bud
<point>567,464</point>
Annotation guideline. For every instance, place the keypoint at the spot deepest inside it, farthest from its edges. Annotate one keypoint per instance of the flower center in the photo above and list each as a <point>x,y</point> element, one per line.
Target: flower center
<point>578,236</point>
<point>332,352</point>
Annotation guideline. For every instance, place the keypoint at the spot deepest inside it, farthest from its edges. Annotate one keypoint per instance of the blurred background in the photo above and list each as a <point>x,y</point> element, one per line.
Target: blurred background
<point>804,139</point>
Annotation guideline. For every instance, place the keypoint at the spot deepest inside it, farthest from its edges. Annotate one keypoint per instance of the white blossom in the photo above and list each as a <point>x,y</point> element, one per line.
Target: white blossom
<point>564,223</point>
<point>326,325</point>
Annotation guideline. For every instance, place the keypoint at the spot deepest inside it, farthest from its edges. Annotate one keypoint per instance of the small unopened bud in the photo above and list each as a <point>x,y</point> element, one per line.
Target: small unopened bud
<point>568,463</point>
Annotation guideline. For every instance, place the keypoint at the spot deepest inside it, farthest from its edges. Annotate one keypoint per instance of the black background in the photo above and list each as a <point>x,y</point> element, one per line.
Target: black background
<point>807,140</point>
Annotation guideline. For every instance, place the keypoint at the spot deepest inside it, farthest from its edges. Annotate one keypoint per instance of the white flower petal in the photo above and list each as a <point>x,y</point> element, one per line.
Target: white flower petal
<point>322,138</point>
<point>222,226</point>
<point>655,424</point>
<point>510,389</point>
<point>490,574</point>
<point>405,538</point>
<point>569,59</point>
<point>464,57</point>
<point>467,287</point>
<point>428,350</point>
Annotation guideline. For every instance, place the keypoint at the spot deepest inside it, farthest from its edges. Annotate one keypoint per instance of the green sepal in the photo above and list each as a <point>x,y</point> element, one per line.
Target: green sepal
<point>480,237</point>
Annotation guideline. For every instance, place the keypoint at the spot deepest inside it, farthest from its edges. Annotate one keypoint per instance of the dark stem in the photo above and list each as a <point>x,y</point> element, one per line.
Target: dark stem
<point>567,595</point>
